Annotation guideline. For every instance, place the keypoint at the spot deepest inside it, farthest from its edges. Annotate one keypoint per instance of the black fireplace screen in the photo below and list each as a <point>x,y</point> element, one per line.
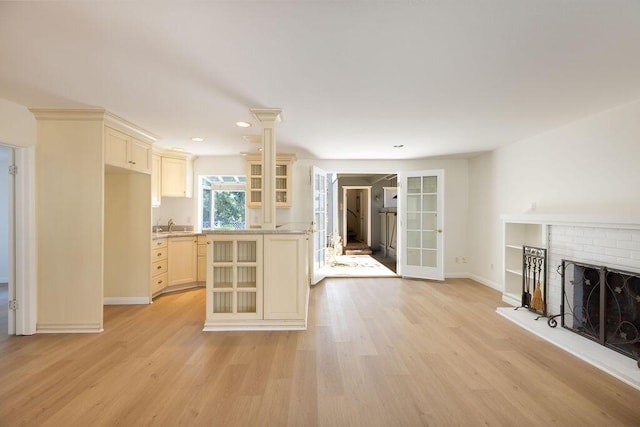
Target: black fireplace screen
<point>602,304</point>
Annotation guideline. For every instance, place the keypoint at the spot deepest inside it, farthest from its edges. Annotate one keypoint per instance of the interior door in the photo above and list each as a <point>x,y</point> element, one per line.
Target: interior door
<point>319,191</point>
<point>420,237</point>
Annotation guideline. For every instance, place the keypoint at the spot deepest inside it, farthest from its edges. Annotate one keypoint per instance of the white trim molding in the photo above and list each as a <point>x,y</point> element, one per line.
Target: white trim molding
<point>126,300</point>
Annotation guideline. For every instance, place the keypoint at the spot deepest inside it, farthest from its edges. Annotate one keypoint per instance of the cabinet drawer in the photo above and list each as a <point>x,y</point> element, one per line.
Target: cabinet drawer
<point>159,267</point>
<point>202,250</point>
<point>158,283</point>
<point>159,243</point>
<point>159,254</point>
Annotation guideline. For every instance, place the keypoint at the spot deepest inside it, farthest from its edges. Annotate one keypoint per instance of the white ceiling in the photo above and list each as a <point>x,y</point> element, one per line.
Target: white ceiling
<point>353,78</point>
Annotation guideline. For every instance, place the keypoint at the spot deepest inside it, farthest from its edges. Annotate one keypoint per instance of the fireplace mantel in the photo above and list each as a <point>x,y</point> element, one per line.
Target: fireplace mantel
<point>581,220</point>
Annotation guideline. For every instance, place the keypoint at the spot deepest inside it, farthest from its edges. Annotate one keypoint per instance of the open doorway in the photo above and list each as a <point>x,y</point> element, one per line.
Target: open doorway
<point>357,220</point>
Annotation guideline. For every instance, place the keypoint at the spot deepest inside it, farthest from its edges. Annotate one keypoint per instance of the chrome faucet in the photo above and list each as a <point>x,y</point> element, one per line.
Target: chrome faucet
<point>170,225</point>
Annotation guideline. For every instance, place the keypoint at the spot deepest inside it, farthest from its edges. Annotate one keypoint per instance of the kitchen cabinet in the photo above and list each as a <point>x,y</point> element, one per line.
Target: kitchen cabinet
<point>127,152</point>
<point>285,271</point>
<point>234,282</point>
<point>175,176</point>
<point>183,258</point>
<point>156,185</point>
<point>202,258</point>
<point>159,265</point>
<point>284,164</point>
<point>257,281</point>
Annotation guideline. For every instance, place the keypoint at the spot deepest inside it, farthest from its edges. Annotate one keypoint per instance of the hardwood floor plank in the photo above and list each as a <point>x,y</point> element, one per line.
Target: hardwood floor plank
<point>377,352</point>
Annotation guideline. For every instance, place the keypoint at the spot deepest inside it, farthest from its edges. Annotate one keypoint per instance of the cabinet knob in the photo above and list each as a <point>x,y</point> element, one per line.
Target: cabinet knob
<point>159,253</point>
<point>159,282</point>
<point>159,267</point>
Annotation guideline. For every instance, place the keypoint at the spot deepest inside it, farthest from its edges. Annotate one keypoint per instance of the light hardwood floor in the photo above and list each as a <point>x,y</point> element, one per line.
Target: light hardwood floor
<point>378,352</point>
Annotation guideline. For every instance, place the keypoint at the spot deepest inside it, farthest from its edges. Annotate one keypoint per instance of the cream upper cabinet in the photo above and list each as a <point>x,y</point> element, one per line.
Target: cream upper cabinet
<point>175,180</point>
<point>156,170</point>
<point>284,164</point>
<point>126,152</point>
<point>183,258</point>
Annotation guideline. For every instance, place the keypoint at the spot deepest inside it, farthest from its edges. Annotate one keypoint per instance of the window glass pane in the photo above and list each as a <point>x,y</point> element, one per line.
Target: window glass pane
<point>413,239</point>
<point>429,258</point>
<point>229,209</point>
<point>430,184</point>
<point>429,240</point>
<point>429,203</point>
<point>429,221</point>
<point>413,256</point>
<point>413,202</point>
<point>413,221</point>
<point>413,185</point>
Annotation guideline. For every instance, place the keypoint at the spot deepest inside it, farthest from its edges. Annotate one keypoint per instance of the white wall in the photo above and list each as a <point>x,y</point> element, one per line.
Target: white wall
<point>17,125</point>
<point>586,167</point>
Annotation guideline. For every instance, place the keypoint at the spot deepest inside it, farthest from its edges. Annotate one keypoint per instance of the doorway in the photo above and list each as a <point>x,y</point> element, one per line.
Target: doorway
<point>356,217</point>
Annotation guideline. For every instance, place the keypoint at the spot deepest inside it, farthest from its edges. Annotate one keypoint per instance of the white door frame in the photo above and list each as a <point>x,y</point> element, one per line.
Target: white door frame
<point>367,189</point>
<point>23,241</point>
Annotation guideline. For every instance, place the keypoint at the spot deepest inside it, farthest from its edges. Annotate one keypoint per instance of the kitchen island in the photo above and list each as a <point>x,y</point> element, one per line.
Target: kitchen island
<point>257,279</point>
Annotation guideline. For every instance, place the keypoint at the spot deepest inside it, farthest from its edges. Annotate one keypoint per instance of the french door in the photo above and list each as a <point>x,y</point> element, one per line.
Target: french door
<point>319,193</point>
<point>421,209</point>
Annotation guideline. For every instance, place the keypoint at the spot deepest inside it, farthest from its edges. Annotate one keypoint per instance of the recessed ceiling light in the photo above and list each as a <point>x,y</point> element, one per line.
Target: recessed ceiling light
<point>398,146</point>
<point>197,139</point>
<point>243,124</point>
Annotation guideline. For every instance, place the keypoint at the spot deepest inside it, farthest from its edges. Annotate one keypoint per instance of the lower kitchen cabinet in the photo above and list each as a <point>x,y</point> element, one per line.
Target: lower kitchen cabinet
<point>183,258</point>
<point>257,281</point>
<point>202,259</point>
<point>159,265</point>
<point>285,271</point>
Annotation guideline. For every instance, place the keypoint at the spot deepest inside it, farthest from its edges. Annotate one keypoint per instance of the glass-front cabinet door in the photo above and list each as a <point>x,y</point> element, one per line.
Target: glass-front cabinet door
<point>234,285</point>
<point>421,209</point>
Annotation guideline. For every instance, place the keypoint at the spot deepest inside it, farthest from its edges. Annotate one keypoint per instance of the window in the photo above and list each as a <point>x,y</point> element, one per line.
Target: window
<point>223,202</point>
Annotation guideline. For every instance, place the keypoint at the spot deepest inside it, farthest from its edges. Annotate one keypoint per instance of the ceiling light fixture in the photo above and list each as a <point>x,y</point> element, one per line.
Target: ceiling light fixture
<point>243,124</point>
<point>197,139</point>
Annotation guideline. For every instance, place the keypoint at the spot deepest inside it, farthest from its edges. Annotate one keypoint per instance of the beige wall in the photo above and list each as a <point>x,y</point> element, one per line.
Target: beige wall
<point>586,167</point>
<point>70,183</point>
<point>17,125</point>
<point>127,236</point>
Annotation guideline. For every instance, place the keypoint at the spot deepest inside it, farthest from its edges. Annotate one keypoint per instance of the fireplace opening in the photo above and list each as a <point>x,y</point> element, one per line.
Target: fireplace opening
<point>602,304</point>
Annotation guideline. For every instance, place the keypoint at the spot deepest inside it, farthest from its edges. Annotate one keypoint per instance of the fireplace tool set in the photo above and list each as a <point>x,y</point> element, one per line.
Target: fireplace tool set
<point>534,280</point>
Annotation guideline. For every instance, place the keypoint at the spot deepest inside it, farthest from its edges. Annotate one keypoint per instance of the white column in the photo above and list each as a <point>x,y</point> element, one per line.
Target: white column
<point>268,118</point>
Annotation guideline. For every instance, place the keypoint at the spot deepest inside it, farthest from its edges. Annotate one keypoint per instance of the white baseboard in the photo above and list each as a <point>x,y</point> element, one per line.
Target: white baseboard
<point>126,300</point>
<point>60,328</point>
<point>486,282</point>
<point>457,276</point>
